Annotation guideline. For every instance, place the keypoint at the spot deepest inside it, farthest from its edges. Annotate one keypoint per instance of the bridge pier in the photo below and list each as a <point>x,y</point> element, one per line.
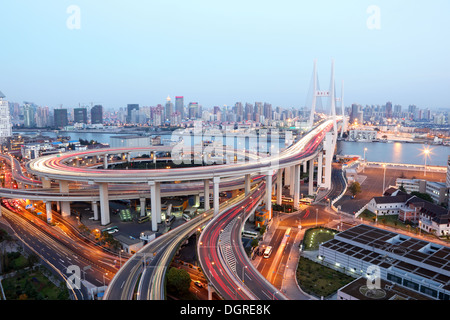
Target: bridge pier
<point>328,146</point>
<point>269,193</point>
<point>247,184</point>
<point>104,204</point>
<point>143,213</point>
<point>311,178</point>
<point>296,185</point>
<point>46,183</point>
<point>216,183</point>
<point>319,170</point>
<point>158,202</point>
<point>64,205</point>
<point>280,187</point>
<point>48,209</point>
<point>206,193</point>
<point>155,201</point>
<point>287,177</point>
<point>95,210</point>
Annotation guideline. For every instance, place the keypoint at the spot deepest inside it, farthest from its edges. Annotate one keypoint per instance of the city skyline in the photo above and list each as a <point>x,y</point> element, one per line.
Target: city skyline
<point>219,54</point>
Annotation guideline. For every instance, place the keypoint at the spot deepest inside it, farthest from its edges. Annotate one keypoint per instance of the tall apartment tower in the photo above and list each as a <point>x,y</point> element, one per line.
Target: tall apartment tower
<point>179,105</point>
<point>80,115</point>
<point>130,108</point>
<point>60,118</point>
<point>97,114</point>
<point>168,109</point>
<point>5,119</point>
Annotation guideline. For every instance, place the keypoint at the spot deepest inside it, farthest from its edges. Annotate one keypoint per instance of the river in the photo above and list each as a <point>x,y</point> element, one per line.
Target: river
<point>396,152</point>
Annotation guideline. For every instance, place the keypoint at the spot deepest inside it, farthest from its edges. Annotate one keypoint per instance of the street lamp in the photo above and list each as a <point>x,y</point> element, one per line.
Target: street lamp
<point>384,178</point>
<point>243,269</point>
<point>426,152</point>
<point>365,149</point>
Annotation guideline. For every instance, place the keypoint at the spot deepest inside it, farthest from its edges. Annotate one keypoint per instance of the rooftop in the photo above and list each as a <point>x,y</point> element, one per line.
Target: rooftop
<point>391,250</point>
<point>387,291</point>
<point>400,198</point>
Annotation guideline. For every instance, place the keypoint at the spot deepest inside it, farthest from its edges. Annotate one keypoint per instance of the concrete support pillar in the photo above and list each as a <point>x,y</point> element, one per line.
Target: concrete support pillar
<point>269,193</point>
<point>48,209</point>
<point>292,176</point>
<point>280,187</point>
<point>95,210</point>
<point>64,205</point>
<point>154,205</point>
<point>311,178</point>
<point>296,185</point>
<point>247,184</point>
<point>206,192</point>
<point>104,204</point>
<point>287,176</point>
<point>216,183</point>
<point>319,169</point>
<point>128,157</point>
<point>105,162</point>
<point>305,169</point>
<point>46,184</point>
<point>329,145</point>
<point>143,213</point>
<point>158,202</point>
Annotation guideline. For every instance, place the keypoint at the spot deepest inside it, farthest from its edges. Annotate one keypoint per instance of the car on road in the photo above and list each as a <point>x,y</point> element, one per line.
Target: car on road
<point>198,284</point>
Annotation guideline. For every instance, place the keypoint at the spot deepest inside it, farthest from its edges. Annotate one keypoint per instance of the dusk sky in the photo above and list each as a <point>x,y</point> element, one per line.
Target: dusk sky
<point>219,52</point>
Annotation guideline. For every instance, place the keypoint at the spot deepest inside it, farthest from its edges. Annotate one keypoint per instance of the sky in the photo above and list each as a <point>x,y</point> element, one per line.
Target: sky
<point>217,52</point>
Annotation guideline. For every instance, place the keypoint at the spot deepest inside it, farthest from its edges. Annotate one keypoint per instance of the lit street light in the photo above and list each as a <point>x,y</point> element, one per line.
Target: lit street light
<point>427,153</point>
<point>364,167</point>
<point>384,179</point>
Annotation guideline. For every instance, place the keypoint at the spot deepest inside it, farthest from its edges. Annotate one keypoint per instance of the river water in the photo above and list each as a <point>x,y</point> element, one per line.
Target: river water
<point>396,152</point>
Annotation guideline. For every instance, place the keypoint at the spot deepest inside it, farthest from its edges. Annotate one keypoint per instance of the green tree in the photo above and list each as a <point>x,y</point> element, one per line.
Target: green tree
<point>424,196</point>
<point>178,281</point>
<point>355,188</point>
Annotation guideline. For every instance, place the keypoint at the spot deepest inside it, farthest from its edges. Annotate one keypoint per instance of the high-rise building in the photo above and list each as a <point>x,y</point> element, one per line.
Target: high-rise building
<point>239,111</point>
<point>60,118</point>
<point>268,111</point>
<point>5,119</point>
<point>389,110</point>
<point>412,112</point>
<point>179,106</point>
<point>248,112</point>
<point>130,108</point>
<point>97,114</point>
<point>29,115</point>
<point>42,117</point>
<point>168,109</point>
<point>193,110</point>
<point>80,115</point>
<point>357,114</point>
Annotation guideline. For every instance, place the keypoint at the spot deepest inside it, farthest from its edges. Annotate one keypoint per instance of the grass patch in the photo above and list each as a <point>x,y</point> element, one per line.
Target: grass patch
<point>319,280</point>
<point>315,236</point>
